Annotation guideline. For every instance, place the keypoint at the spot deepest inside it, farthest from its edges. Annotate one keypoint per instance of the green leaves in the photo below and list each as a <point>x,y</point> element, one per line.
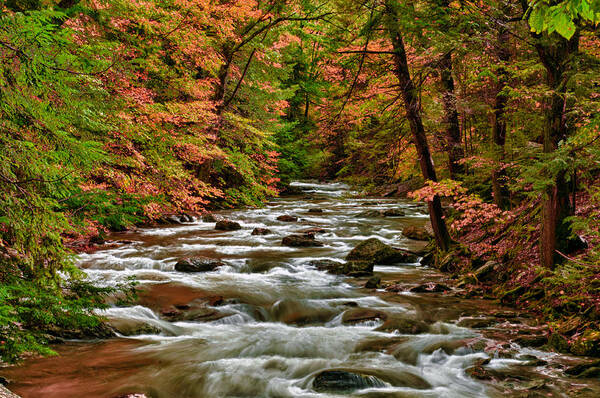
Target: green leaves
<point>562,17</point>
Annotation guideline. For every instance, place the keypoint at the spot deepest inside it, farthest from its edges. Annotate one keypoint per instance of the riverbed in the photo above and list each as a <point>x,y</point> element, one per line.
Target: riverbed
<point>268,323</point>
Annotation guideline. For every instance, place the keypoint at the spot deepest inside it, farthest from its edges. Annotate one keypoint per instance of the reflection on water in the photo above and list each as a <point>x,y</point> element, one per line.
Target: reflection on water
<point>267,323</point>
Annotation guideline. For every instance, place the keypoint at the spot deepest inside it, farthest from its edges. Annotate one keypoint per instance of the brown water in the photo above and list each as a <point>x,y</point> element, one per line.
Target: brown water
<point>267,323</point>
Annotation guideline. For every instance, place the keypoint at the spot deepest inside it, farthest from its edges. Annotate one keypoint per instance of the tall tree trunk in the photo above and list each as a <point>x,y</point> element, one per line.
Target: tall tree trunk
<point>499,126</point>
<point>413,114</point>
<point>452,136</point>
<point>555,53</point>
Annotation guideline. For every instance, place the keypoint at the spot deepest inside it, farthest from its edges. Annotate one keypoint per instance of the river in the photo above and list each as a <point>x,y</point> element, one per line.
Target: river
<point>268,323</point>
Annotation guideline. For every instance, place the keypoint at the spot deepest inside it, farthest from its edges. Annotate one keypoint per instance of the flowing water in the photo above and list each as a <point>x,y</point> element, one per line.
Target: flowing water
<point>267,323</point>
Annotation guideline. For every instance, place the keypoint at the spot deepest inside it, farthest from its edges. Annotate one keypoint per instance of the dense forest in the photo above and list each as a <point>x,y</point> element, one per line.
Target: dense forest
<point>116,114</point>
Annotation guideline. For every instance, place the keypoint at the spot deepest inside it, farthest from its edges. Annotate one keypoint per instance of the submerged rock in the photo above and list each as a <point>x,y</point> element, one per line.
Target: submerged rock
<point>375,251</point>
<point>344,381</point>
<point>198,264</point>
<point>261,231</point>
<point>297,240</point>
<point>227,225</point>
<point>287,218</point>
<point>417,233</point>
<point>315,211</point>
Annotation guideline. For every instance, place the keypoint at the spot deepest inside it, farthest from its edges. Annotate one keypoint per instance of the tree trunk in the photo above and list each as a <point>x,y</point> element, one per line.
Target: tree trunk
<point>452,136</point>
<point>555,53</point>
<point>499,127</point>
<point>413,114</point>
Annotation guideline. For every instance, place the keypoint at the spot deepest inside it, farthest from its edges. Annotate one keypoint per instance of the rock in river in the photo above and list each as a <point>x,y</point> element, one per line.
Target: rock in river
<point>373,283</point>
<point>261,231</point>
<point>287,218</point>
<point>227,225</point>
<point>416,233</point>
<point>198,264</point>
<point>297,240</point>
<point>344,381</point>
<point>375,251</point>
<point>350,268</point>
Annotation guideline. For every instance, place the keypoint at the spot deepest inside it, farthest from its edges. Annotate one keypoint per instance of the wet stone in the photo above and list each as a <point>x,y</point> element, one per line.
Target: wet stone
<point>417,233</point>
<point>430,287</point>
<point>287,218</point>
<point>317,211</point>
<point>373,283</point>
<point>227,225</point>
<point>209,217</point>
<point>357,315</point>
<point>261,231</point>
<point>305,240</point>
<point>394,213</point>
<point>344,381</point>
<point>198,264</point>
<point>377,252</point>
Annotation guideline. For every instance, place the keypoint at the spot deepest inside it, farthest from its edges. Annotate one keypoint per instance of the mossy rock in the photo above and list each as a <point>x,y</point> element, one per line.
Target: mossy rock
<point>375,251</point>
<point>403,325</point>
<point>588,344</point>
<point>512,295</point>
<point>559,343</point>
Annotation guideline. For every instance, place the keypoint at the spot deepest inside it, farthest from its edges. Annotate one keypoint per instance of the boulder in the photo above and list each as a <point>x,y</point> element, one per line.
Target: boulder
<point>227,225</point>
<point>394,213</point>
<point>373,283</point>
<point>209,217</point>
<point>349,380</point>
<point>582,368</point>
<point>287,218</point>
<point>370,214</point>
<point>314,231</point>
<point>588,344</point>
<point>358,268</point>
<point>318,211</point>
<point>403,325</point>
<point>344,381</point>
<point>417,233</point>
<point>356,315</point>
<point>261,231</point>
<point>430,287</point>
<point>198,264</point>
<point>486,271</point>
<point>132,327</point>
<point>326,265</point>
<point>350,268</point>
<point>297,240</point>
<point>375,251</point>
